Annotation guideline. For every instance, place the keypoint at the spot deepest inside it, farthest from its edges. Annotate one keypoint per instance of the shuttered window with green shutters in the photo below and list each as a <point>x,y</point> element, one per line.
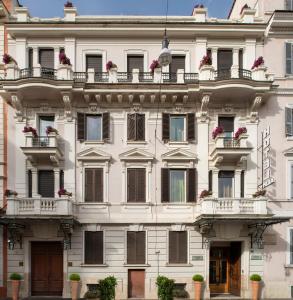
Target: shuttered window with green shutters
<point>93,247</point>
<point>136,245</point>
<point>178,247</point>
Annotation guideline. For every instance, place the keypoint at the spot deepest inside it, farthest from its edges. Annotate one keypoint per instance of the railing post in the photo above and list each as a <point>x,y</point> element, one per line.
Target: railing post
<point>158,75</point>
<point>12,206</point>
<point>135,76</point>
<point>207,206</point>
<point>37,206</point>
<point>180,76</point>
<point>37,70</point>
<point>64,72</point>
<point>259,73</point>
<point>207,72</point>
<point>236,206</point>
<point>28,139</point>
<point>235,72</point>
<point>113,78</point>
<point>91,75</point>
<point>12,71</point>
<point>243,140</point>
<point>52,136</point>
<point>260,205</point>
<point>219,141</point>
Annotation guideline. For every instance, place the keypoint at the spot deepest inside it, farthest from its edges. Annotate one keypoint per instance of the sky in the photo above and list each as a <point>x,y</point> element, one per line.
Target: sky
<point>54,8</point>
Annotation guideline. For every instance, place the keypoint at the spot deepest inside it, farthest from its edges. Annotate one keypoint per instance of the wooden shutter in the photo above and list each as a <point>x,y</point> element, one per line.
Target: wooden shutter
<point>94,62</point>
<point>30,183</point>
<point>291,246</point>
<point>81,126</point>
<point>46,58</point>
<point>227,123</point>
<point>190,127</point>
<point>106,126</point>
<point>289,121</point>
<point>242,178</point>
<point>131,120</point>
<point>191,185</point>
<point>178,247</point>
<point>225,59</point>
<point>136,185</point>
<point>136,247</point>
<point>165,185</point>
<point>165,127</point>
<point>210,180</point>
<point>178,63</point>
<point>289,58</point>
<point>61,180</point>
<point>46,183</point>
<point>94,248</point>
<point>30,58</point>
<point>134,62</point>
<point>140,127</point>
<point>94,185</point>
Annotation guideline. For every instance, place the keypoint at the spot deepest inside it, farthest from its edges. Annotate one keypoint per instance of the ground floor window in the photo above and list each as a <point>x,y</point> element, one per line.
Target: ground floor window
<point>178,247</point>
<point>93,247</point>
<point>136,246</point>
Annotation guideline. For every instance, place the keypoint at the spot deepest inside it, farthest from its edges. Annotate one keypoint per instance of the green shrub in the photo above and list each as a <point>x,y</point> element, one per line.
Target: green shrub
<point>197,277</point>
<point>92,294</point>
<point>15,276</point>
<point>165,288</point>
<point>74,277</point>
<point>107,288</point>
<point>255,277</point>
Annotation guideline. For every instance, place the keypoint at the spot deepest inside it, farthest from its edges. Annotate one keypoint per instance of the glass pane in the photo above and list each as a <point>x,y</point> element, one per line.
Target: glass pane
<point>223,271</point>
<point>225,186</point>
<point>177,186</point>
<point>45,121</point>
<point>291,182</point>
<point>213,272</point>
<point>177,129</point>
<point>94,128</point>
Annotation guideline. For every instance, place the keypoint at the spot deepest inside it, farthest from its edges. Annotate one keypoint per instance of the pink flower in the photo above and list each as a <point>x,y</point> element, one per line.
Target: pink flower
<point>7,59</point>
<point>258,62</point>
<point>218,130</point>
<point>30,129</point>
<point>110,65</point>
<point>205,194</point>
<point>63,59</point>
<point>155,64</point>
<point>239,132</point>
<point>206,60</point>
<point>62,192</point>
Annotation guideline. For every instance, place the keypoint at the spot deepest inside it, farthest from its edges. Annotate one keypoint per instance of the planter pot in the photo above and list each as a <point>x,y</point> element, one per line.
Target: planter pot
<point>74,290</point>
<point>255,290</point>
<point>15,289</point>
<point>197,290</point>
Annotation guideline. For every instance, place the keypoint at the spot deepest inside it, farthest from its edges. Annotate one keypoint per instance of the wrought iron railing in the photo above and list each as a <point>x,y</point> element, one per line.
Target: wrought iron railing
<point>124,77</point>
<point>48,73</point>
<point>245,74</point>
<point>41,141</point>
<point>231,143</point>
<point>146,77</point>
<point>169,77</point>
<point>80,76</point>
<point>223,74</point>
<point>190,77</point>
<point>26,73</point>
<point>101,77</point>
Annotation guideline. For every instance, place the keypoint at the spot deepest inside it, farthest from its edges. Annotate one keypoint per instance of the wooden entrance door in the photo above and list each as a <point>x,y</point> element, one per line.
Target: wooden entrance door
<point>46,269</point>
<point>235,268</point>
<point>136,279</point>
<point>219,264</point>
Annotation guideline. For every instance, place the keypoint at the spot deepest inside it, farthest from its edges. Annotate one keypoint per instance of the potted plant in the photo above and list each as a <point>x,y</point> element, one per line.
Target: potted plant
<point>255,286</point>
<point>15,279</point>
<point>93,295</point>
<point>206,61</point>
<point>217,131</point>
<point>107,287</point>
<point>154,65</point>
<point>260,193</point>
<point>63,59</point>
<point>165,288</point>
<point>257,63</point>
<point>9,193</point>
<point>198,280</point>
<point>7,59</point>
<point>110,65</point>
<point>28,129</point>
<point>63,192</point>
<point>74,282</point>
<point>239,132</point>
<point>205,193</point>
<point>50,129</point>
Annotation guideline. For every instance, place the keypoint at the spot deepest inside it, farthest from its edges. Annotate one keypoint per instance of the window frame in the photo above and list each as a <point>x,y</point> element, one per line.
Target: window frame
<point>187,247</point>
<point>136,140</point>
<point>146,184</point>
<point>126,247</point>
<point>83,248</point>
<point>98,116</point>
<point>38,185</point>
<point>232,188</point>
<point>94,52</point>
<point>289,178</point>
<point>291,5</point>
<point>185,185</point>
<point>103,177</point>
<point>184,129</point>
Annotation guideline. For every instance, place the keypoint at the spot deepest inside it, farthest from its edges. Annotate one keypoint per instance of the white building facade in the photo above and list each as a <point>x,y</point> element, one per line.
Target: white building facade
<point>135,150</point>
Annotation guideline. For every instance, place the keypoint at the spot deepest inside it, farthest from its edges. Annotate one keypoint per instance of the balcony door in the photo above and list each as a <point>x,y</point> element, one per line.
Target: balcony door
<point>226,184</point>
<point>134,62</point>
<point>225,61</point>
<point>46,183</point>
<point>94,62</point>
<point>227,123</point>
<point>44,122</point>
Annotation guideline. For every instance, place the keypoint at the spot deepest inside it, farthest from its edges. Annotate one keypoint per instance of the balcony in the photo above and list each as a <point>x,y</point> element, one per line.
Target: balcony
<point>43,148</point>
<point>230,150</point>
<point>39,207</point>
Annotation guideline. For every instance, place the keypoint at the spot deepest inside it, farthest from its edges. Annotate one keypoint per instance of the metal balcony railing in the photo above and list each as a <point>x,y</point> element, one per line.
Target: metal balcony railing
<point>48,73</point>
<point>190,77</point>
<point>80,76</point>
<point>231,143</point>
<point>169,77</point>
<point>223,74</point>
<point>101,77</point>
<point>146,77</point>
<point>26,73</point>
<point>245,74</point>
<point>124,77</point>
<point>41,141</point>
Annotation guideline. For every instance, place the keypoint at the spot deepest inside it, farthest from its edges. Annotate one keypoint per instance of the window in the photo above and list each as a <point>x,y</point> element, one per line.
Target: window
<point>30,58</point>
<point>30,183</point>
<point>61,180</point>
<point>135,127</point>
<point>178,63</point>
<point>44,122</point>
<point>225,61</point>
<point>94,62</point>
<point>289,58</point>
<point>178,128</point>
<point>93,247</point>
<point>134,62</point>
<point>289,121</point>
<point>242,184</point>
<point>136,185</point>
<point>226,179</point>
<point>291,180</point>
<point>227,123</point>
<point>210,180</point>
<point>178,247</point>
<point>93,127</point>
<point>136,247</point>
<point>178,185</point>
<point>288,4</point>
<point>46,58</point>
<point>93,185</point>
<point>290,244</point>
<point>46,183</point>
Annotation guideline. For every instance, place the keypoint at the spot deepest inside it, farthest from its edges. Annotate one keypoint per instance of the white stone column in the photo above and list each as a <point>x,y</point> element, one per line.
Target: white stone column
<point>200,51</point>
<point>249,54</point>
<point>35,182</point>
<point>235,65</point>
<point>56,57</point>
<point>215,183</point>
<point>237,183</point>
<point>21,54</point>
<point>56,181</point>
<point>35,57</point>
<point>70,50</point>
<point>215,58</point>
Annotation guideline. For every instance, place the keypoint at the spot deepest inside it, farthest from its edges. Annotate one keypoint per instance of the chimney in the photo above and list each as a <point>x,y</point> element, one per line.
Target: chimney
<point>247,15</point>
<point>200,13</point>
<point>22,14</point>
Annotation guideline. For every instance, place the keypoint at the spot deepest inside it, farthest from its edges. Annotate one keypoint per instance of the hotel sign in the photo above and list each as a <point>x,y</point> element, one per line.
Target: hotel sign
<point>267,178</point>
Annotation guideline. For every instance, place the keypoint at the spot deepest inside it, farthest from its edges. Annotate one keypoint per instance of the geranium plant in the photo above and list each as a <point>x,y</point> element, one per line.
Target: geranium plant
<point>205,193</point>
<point>68,4</point>
<point>8,59</point>
<point>206,61</point>
<point>63,59</point>
<point>259,193</point>
<point>50,129</point>
<point>154,65</point>
<point>110,65</point>
<point>258,62</point>
<point>218,130</point>
<point>63,192</point>
<point>9,193</point>
<point>27,129</point>
<point>239,132</point>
